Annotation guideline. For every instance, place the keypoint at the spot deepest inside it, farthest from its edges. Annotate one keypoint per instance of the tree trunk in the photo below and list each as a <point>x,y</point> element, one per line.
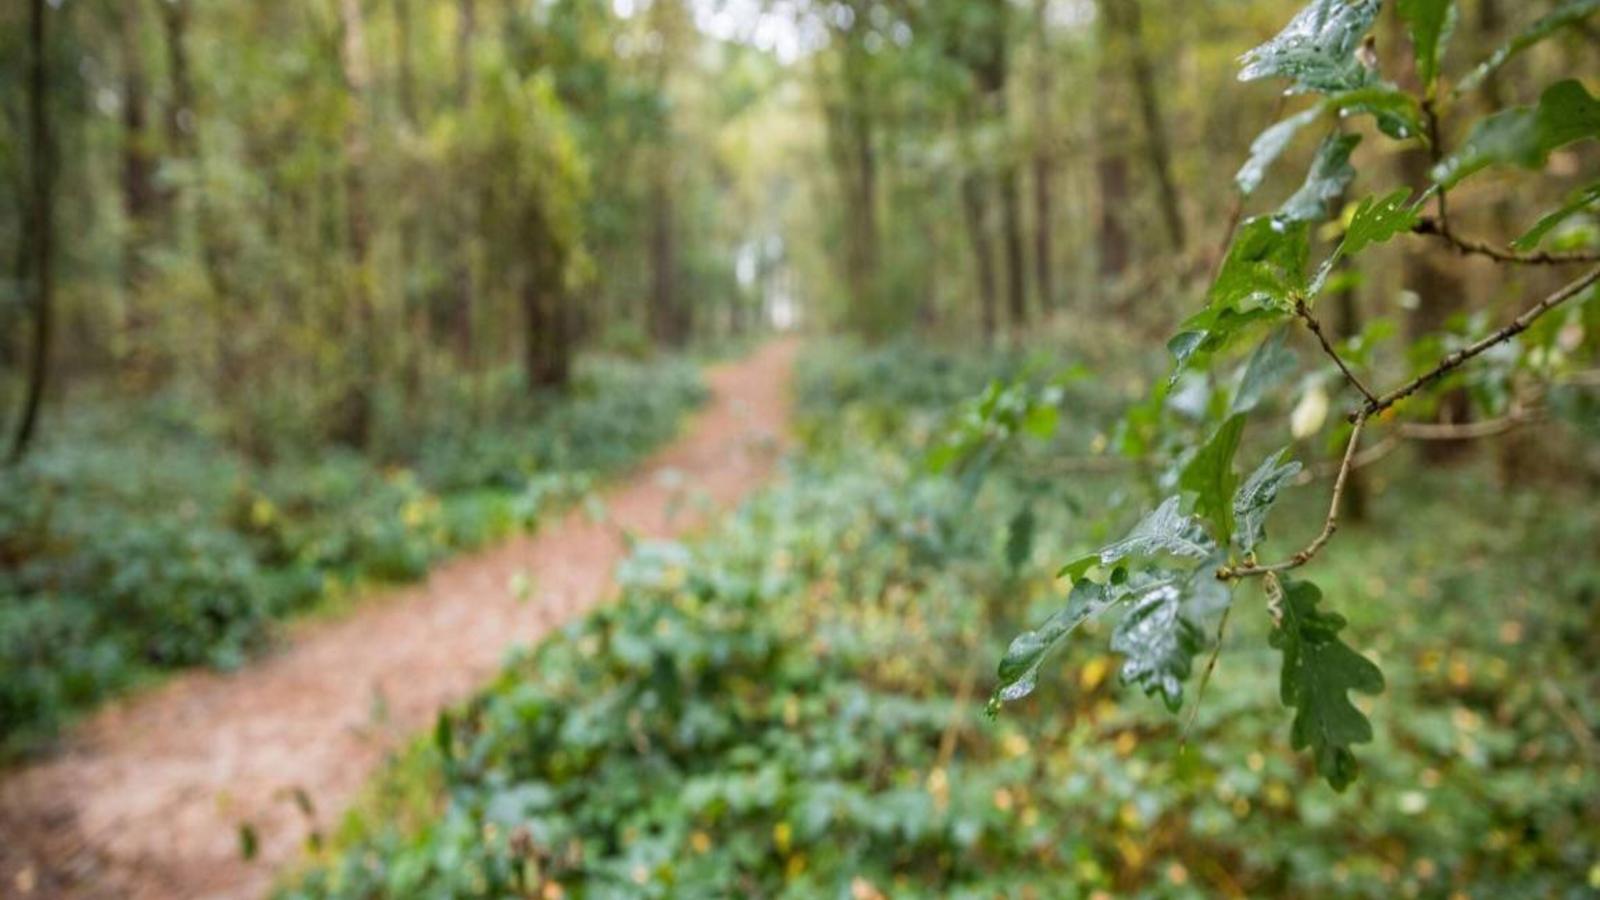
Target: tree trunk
<point>1043,166</point>
<point>976,214</point>
<point>1111,164</point>
<point>41,226</point>
<point>407,86</point>
<point>548,360</point>
<point>354,425</point>
<point>1016,273</point>
<point>139,196</point>
<point>1157,147</point>
<point>860,171</point>
<point>466,33</point>
<point>664,319</point>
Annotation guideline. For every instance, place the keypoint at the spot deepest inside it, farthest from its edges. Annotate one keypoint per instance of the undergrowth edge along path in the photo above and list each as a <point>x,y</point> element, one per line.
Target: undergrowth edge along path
<point>146,798</point>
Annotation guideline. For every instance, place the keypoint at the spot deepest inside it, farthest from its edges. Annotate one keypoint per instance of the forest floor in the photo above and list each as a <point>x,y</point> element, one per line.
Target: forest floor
<point>149,797</point>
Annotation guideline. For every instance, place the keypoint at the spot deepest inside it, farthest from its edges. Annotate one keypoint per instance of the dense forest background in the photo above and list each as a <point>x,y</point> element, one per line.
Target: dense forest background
<point>302,298</point>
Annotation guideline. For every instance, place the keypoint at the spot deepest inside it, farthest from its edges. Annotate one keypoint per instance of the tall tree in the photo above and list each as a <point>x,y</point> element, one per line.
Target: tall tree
<point>1043,160</point>
<point>1129,21</point>
<point>354,417</point>
<point>1111,162</point>
<point>38,255</point>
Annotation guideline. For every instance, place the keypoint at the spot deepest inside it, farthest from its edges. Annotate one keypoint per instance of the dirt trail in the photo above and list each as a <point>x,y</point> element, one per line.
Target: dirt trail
<point>146,798</point>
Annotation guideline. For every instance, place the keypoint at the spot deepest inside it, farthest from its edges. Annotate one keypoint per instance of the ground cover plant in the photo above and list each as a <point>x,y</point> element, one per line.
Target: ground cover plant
<point>792,706</point>
<point>110,579</point>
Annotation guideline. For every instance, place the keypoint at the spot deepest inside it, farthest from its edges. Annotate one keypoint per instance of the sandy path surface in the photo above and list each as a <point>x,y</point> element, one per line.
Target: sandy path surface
<point>146,798</point>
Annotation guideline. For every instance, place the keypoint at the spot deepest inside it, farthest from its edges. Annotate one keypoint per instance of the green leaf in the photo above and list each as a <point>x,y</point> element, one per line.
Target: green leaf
<point>1397,112</point>
<point>1317,49</point>
<point>1376,220</point>
<point>1210,475</point>
<point>1268,366</point>
<point>1330,174</point>
<point>1524,135</point>
<point>1319,670</point>
<point>1568,13</point>
<point>1265,266</point>
<point>1019,668</point>
<point>1164,530</point>
<point>1019,538</point>
<point>1213,330</point>
<point>1268,146</point>
<point>1256,497</point>
<point>1158,643</point>
<point>1429,22</point>
<point>1580,200</point>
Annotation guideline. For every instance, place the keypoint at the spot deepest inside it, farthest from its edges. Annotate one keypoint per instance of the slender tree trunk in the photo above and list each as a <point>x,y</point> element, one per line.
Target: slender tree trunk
<point>355,414</point>
<point>407,81</point>
<point>1111,164</point>
<point>668,322</point>
<point>139,196</point>
<point>853,135</point>
<point>1016,271</point>
<point>663,267</point>
<point>976,214</point>
<point>180,112</point>
<point>138,152</point>
<point>991,70</point>
<point>41,226</point>
<point>1157,147</point>
<point>548,360</point>
<point>184,144</point>
<point>1043,165</point>
<point>466,34</point>
<point>461,280</point>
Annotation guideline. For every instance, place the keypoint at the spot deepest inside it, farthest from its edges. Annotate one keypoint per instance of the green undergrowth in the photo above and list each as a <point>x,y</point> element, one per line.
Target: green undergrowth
<point>134,544</point>
<point>793,706</point>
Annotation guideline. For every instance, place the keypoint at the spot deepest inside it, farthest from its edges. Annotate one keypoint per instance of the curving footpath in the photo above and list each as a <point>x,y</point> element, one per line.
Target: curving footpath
<point>146,798</point>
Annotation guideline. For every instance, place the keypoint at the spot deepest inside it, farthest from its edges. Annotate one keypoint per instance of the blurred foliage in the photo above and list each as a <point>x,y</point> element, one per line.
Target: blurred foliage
<point>793,705</point>
<point>111,577</point>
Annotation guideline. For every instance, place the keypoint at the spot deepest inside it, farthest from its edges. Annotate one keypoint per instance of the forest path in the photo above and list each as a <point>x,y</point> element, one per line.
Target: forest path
<point>147,797</point>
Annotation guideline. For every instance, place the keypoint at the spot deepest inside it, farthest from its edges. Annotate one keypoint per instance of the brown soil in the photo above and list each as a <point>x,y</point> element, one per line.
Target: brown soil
<point>146,798</point>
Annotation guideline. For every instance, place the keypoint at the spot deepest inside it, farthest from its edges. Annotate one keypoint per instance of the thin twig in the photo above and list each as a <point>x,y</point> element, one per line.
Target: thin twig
<point>1304,312</point>
<point>1329,526</point>
<point>1371,455</point>
<point>1454,359</point>
<point>1205,677</point>
<point>1465,431</point>
<point>1467,246</point>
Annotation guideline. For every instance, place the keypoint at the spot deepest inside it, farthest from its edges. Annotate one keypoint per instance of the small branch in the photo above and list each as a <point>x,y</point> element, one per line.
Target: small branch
<point>1329,526</point>
<point>1205,677</point>
<point>1453,360</point>
<point>1468,247</point>
<point>1371,455</point>
<point>1464,431</point>
<point>1304,312</point>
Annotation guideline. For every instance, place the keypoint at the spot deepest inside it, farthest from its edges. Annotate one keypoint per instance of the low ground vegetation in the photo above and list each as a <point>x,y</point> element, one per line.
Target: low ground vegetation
<point>135,545</point>
<point>794,706</point>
